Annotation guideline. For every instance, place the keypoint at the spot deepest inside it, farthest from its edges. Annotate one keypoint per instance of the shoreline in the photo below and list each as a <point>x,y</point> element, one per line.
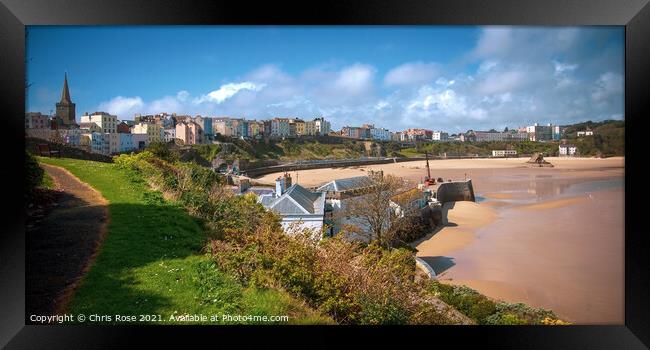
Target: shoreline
<point>532,237</point>
<point>456,169</point>
<point>574,267</point>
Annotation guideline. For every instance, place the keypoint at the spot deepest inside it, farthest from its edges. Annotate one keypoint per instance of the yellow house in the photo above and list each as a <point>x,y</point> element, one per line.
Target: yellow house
<point>300,126</point>
<point>153,131</point>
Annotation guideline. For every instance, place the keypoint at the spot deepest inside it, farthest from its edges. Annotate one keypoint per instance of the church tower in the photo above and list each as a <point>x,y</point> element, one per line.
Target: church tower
<point>65,110</point>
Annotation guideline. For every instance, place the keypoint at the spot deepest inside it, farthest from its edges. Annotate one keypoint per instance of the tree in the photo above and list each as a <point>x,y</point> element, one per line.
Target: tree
<point>370,214</point>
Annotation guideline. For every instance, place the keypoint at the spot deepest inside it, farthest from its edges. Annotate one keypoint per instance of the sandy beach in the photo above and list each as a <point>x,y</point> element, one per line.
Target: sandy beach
<point>549,237</point>
<point>476,169</point>
<point>565,257</point>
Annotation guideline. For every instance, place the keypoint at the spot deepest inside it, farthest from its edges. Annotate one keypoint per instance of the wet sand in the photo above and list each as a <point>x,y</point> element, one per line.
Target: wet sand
<point>549,237</point>
<point>567,258</point>
<point>552,204</point>
<point>463,219</point>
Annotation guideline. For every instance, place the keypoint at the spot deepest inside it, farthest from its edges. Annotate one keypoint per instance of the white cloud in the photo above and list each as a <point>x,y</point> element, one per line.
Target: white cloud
<point>182,95</point>
<point>411,73</point>
<point>494,41</point>
<point>227,91</point>
<point>561,68</point>
<point>445,102</point>
<point>121,105</point>
<point>607,85</point>
<point>496,82</point>
<point>355,79</point>
<point>514,76</point>
<point>381,104</point>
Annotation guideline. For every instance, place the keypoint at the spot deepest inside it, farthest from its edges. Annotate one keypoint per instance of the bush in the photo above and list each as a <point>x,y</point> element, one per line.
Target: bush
<point>466,300</point>
<point>33,177</point>
<point>354,284</point>
<point>485,311</point>
<point>519,313</point>
<point>163,151</point>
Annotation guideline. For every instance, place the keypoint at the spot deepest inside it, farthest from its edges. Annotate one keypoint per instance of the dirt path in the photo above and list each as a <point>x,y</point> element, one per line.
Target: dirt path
<point>62,246</point>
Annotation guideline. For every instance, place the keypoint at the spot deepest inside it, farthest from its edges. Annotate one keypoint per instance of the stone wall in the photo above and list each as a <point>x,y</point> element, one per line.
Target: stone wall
<point>31,145</point>
<point>455,191</point>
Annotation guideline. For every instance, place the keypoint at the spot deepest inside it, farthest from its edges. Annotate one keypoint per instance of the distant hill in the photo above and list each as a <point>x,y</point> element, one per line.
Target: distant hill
<point>608,138</point>
<point>589,125</point>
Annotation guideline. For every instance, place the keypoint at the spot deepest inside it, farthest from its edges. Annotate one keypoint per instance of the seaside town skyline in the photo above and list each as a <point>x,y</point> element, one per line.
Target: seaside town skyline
<point>464,78</point>
<point>101,132</point>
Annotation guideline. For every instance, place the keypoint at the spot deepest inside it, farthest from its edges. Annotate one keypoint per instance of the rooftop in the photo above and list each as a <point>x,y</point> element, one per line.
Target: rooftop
<point>352,183</point>
<point>295,201</point>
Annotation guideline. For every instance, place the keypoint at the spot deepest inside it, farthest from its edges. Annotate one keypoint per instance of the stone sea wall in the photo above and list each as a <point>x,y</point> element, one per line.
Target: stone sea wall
<point>456,191</point>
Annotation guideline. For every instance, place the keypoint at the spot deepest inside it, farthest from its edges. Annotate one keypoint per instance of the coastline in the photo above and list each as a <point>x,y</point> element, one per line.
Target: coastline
<point>459,230</point>
<point>458,169</point>
<point>573,266</point>
<point>532,236</point>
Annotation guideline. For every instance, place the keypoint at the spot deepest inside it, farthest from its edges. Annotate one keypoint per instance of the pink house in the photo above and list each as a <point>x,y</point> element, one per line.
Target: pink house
<point>189,132</point>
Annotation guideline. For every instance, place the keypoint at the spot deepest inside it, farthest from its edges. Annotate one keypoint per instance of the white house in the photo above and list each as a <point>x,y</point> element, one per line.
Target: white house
<point>504,153</point>
<point>440,136</point>
<point>107,123</point>
<point>299,208</point>
<point>568,150</point>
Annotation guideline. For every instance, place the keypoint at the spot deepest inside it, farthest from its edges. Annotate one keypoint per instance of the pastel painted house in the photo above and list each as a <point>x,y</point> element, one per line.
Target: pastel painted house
<point>153,131</point>
<point>126,142</point>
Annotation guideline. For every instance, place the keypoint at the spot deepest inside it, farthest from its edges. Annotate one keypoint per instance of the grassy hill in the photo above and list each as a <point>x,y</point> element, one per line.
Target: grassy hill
<point>608,139</point>
<point>152,260</point>
<point>483,149</point>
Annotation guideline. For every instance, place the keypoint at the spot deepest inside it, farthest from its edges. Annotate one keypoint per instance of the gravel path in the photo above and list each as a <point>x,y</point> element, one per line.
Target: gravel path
<point>63,244</point>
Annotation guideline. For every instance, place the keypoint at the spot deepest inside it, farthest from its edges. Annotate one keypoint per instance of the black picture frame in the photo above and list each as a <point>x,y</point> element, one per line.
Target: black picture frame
<point>634,15</point>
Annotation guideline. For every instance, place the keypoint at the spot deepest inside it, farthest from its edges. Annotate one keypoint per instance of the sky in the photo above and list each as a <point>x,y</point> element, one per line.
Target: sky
<point>451,78</point>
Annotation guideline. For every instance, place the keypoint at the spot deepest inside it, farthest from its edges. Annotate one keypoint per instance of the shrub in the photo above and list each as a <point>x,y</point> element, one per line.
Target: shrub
<point>466,300</point>
<point>33,177</point>
<point>163,151</point>
<point>519,313</point>
<point>354,284</point>
<point>485,311</point>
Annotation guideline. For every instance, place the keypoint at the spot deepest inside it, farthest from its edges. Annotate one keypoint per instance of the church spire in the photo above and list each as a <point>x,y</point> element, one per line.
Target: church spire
<point>65,94</point>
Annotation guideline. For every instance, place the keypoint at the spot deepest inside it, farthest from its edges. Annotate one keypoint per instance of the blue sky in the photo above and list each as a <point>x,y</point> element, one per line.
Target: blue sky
<point>452,78</point>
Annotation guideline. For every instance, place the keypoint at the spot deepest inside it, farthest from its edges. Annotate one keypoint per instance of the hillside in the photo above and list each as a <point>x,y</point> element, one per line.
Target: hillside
<point>282,151</point>
<point>152,260</point>
<point>608,140</point>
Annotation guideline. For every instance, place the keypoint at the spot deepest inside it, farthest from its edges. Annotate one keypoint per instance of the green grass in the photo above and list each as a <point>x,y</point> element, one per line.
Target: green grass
<point>151,261</point>
<point>411,152</point>
<point>47,182</point>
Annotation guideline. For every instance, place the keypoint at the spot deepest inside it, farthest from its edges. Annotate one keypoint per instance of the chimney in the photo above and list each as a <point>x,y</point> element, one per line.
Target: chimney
<point>244,184</point>
<point>279,186</point>
<point>287,180</point>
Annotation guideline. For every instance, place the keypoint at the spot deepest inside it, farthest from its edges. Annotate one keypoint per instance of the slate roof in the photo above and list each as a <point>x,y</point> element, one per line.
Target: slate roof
<point>351,183</point>
<point>267,200</point>
<point>296,200</point>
